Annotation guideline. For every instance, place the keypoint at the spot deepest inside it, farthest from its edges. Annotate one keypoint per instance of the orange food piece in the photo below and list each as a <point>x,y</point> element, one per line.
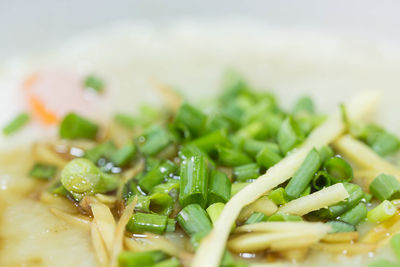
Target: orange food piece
<point>39,110</point>
<point>37,107</point>
<point>52,94</point>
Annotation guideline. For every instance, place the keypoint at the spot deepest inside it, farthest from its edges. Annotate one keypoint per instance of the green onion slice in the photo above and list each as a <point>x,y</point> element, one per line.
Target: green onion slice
<point>339,170</point>
<point>43,171</point>
<point>384,187</point>
<point>74,126</point>
<point>16,124</point>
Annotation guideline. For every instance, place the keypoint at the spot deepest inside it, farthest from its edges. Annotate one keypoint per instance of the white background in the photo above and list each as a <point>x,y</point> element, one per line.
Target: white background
<point>27,26</point>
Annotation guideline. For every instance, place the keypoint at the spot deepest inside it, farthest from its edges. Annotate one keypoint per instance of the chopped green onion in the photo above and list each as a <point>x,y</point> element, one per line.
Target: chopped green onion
<point>395,244</point>
<point>16,124</point>
<point>152,163</point>
<point>171,187</point>
<point>339,170</point>
<point>103,150</point>
<point>256,217</point>
<point>81,177</point>
<point>74,126</point>
<point>303,176</point>
<point>58,189</point>
<point>236,110</point>
<point>382,212</point>
<point>304,104</point>
<point>189,150</point>
<point>367,198</point>
<point>208,142</point>
<point>194,219</point>
<point>246,172</point>
<point>219,188</point>
<point>235,142</point>
<point>278,196</point>
<point>306,191</point>
<point>125,154</point>
<point>217,122</point>
<point>190,118</point>
<point>157,175</point>
<point>385,186</point>
<point>43,171</point>
<point>160,203</point>
<point>273,123</point>
<point>253,147</point>
<point>236,187</point>
<point>180,132</point>
<point>172,262</point>
<point>325,153</point>
<point>125,120</point>
<point>149,114</point>
<point>256,129</point>
<point>232,157</point>
<point>306,122</point>
<point>170,226</point>
<point>143,222</point>
<point>94,83</point>
<point>193,180</point>
<point>383,263</point>
<point>369,133</point>
<point>355,196</point>
<point>282,217</point>
<point>267,157</point>
<point>321,179</point>
<point>142,203</point>
<point>385,144</point>
<point>340,227</point>
<point>214,210</point>
<point>154,140</point>
<point>266,102</point>
<point>355,215</point>
<point>289,135</point>
<point>129,189</point>
<point>139,259</point>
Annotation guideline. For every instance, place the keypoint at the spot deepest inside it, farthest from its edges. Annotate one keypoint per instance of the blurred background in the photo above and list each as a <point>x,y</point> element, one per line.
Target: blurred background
<point>28,26</point>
